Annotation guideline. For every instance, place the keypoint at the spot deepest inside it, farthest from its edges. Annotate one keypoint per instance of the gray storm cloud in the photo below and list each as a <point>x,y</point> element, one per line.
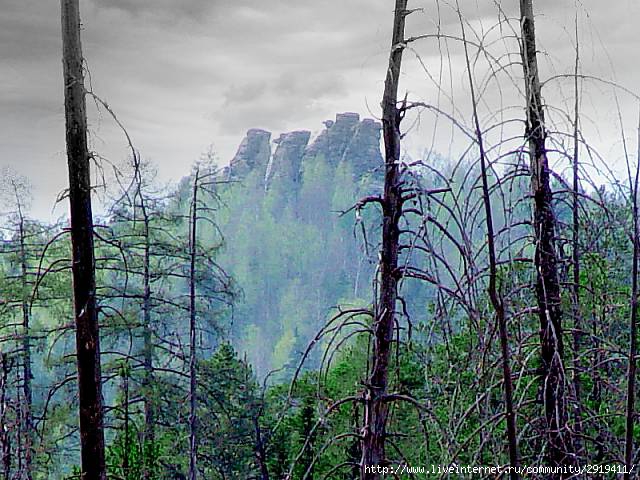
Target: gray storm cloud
<point>184,75</point>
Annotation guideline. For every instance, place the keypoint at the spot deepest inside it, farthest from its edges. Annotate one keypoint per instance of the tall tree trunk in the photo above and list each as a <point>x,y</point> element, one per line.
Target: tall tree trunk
<point>125,404</point>
<point>633,324</point>
<point>575,240</point>
<point>260,450</point>
<point>494,293</point>
<point>83,268</point>
<point>376,406</point>
<point>27,403</point>
<point>192,330</point>
<point>5,438</point>
<point>559,447</point>
<point>148,438</point>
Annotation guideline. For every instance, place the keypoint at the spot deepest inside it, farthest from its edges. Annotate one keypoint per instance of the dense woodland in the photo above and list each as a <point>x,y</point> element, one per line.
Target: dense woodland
<point>320,306</point>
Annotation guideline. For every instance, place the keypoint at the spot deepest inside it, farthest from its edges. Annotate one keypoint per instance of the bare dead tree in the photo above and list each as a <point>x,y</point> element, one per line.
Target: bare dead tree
<point>376,405</point>
<point>493,289</point>
<point>139,203</point>
<point>5,438</point>
<point>193,420</point>
<point>81,217</point>
<point>17,198</point>
<point>630,413</point>
<point>575,246</point>
<point>201,264</point>
<point>145,207</point>
<point>148,438</point>
<point>560,449</point>
<point>27,416</point>
<point>125,404</point>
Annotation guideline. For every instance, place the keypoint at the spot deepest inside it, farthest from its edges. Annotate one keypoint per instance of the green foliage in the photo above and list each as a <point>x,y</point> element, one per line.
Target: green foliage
<point>124,456</point>
<point>294,239</point>
<point>291,256</point>
<point>228,405</point>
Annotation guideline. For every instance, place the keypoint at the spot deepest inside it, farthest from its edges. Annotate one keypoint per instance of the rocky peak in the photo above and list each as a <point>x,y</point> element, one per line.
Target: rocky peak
<point>253,154</point>
<point>333,141</point>
<point>347,139</point>
<point>287,159</point>
<point>363,150</point>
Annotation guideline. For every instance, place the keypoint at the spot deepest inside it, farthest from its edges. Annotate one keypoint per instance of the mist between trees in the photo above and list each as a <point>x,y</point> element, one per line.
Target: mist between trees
<point>324,308</point>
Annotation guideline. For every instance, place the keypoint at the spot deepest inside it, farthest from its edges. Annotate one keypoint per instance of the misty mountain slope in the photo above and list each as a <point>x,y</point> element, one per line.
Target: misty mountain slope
<point>287,245</point>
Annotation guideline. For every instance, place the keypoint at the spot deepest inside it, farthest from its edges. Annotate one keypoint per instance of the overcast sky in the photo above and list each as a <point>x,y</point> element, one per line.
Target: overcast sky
<point>183,75</point>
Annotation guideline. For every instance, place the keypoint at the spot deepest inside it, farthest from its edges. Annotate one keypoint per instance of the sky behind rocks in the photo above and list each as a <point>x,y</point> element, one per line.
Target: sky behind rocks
<point>186,75</point>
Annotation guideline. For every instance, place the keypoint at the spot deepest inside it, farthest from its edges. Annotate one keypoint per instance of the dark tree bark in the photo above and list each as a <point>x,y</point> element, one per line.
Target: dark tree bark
<point>559,443</point>
<point>83,268</point>
<point>376,406</point>
<point>260,449</point>
<point>633,324</point>
<point>575,255</point>
<point>125,405</point>
<point>5,439</point>
<point>27,402</point>
<point>148,436</point>
<point>193,420</point>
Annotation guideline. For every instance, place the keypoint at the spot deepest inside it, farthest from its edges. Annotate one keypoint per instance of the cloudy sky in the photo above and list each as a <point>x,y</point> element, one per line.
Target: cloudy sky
<point>183,75</point>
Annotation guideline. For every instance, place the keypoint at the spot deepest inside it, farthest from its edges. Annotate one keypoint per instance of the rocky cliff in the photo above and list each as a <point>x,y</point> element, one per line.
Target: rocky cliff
<point>347,139</point>
<point>253,154</point>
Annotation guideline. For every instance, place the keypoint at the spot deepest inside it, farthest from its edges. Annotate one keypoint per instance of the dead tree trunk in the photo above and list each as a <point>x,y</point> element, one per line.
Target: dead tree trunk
<point>633,324</point>
<point>559,448</point>
<point>5,439</point>
<point>260,450</point>
<point>125,405</point>
<point>575,256</point>
<point>83,268</point>
<point>148,437</point>
<point>376,405</point>
<point>493,290</point>
<point>27,402</point>
<point>192,330</point>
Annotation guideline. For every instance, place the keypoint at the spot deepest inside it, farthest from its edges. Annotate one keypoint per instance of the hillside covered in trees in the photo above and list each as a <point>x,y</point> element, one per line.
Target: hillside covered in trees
<point>447,290</point>
<point>283,225</point>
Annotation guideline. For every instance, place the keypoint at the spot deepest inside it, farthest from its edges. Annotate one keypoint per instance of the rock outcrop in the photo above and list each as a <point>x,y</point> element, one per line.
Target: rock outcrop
<point>347,139</point>
<point>287,159</point>
<point>333,141</point>
<point>253,155</point>
<point>363,151</point>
